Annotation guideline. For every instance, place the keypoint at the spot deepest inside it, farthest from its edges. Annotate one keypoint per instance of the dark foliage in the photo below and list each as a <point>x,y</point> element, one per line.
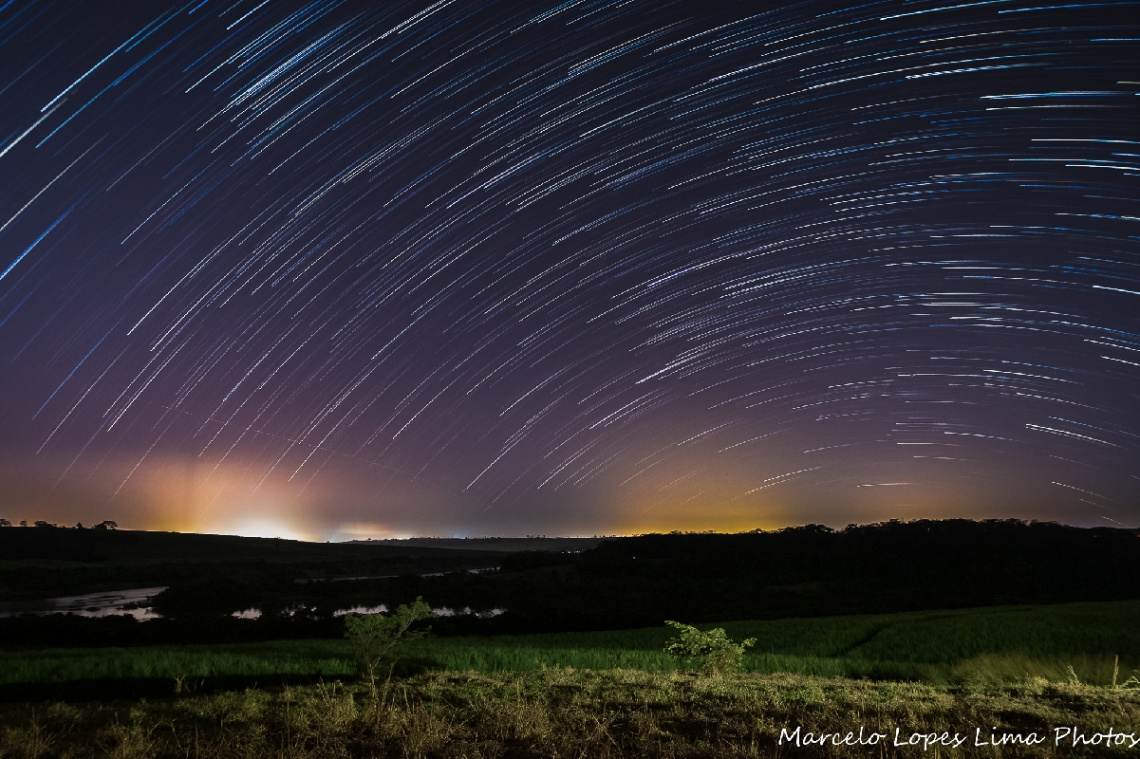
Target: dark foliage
<point>893,566</point>
<point>809,571</point>
<point>623,582</point>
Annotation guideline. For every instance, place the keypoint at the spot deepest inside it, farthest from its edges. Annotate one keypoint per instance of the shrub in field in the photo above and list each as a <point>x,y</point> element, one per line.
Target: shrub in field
<point>376,637</point>
<point>711,651</point>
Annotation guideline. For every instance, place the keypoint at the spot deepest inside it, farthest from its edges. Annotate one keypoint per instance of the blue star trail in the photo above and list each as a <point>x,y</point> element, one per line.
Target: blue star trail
<point>340,269</point>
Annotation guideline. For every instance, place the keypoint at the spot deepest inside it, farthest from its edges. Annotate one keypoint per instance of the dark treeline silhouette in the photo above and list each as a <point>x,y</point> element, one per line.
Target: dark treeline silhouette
<point>892,566</point>
<point>802,571</point>
<point>996,561</point>
<point>631,582</point>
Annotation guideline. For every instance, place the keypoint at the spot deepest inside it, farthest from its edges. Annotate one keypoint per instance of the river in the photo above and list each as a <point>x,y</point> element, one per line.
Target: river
<point>134,601</point>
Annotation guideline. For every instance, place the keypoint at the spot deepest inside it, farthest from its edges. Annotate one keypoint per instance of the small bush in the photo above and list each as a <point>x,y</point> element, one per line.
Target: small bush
<point>376,637</point>
<point>712,651</point>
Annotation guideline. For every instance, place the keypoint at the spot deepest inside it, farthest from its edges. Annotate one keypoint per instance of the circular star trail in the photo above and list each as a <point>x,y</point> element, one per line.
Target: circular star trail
<point>348,268</point>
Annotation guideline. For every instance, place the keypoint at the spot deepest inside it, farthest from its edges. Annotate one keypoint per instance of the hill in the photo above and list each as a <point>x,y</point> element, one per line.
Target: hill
<point>52,561</point>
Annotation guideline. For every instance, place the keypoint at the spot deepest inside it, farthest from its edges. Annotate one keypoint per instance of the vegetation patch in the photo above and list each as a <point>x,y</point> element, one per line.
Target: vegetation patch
<point>989,646</point>
<point>569,712</point>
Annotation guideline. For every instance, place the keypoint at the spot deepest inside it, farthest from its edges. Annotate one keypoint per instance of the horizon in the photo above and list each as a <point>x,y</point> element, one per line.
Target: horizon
<point>565,537</point>
<point>339,269</point>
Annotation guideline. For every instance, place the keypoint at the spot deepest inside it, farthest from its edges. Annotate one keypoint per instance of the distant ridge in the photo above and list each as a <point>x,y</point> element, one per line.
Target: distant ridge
<point>541,543</point>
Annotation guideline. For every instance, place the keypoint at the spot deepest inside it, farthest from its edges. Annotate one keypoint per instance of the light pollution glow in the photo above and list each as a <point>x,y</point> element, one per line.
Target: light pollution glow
<point>187,495</point>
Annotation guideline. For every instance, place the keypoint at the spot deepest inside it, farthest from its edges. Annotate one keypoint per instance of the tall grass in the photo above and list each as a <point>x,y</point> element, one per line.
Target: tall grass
<point>563,712</point>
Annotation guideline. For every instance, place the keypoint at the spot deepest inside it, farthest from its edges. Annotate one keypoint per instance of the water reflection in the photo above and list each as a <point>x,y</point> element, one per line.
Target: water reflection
<point>136,602</point>
<point>133,601</point>
<point>447,611</point>
<point>441,611</point>
<point>381,609</point>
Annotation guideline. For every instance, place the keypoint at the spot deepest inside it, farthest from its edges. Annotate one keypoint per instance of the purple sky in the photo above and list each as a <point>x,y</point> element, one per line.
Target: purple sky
<point>352,269</point>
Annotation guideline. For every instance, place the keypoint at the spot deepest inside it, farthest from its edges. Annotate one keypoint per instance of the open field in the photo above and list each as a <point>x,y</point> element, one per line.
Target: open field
<point>1024,681</point>
<point>975,646</point>
<point>588,713</point>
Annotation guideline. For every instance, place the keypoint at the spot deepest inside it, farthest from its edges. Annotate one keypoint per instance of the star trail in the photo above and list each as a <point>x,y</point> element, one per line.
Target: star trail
<point>347,269</point>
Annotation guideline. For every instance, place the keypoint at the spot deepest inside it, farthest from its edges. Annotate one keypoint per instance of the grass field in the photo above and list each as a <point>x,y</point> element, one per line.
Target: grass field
<point>1038,681</point>
<point>586,713</point>
<point>1092,643</point>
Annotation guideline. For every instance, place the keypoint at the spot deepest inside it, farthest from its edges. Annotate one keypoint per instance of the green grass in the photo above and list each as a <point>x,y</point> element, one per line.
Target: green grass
<point>608,694</point>
<point>317,658</point>
<point>967,645</point>
<point>991,645</point>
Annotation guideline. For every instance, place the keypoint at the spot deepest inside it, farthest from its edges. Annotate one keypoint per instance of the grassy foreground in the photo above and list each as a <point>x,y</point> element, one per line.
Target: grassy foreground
<point>584,713</point>
<point>1027,681</point>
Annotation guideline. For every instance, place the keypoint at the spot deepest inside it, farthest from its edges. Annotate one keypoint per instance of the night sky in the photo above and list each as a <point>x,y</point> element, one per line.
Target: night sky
<point>337,270</point>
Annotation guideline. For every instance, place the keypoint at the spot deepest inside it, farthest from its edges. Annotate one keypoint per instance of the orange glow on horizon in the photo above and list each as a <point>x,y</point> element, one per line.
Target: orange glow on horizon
<point>686,493</point>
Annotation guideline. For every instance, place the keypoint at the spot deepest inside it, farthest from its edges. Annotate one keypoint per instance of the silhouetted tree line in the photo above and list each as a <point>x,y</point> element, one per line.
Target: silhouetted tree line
<point>892,566</point>
<point>807,571</point>
<point>642,581</point>
<point>104,525</point>
<point>1028,557</point>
